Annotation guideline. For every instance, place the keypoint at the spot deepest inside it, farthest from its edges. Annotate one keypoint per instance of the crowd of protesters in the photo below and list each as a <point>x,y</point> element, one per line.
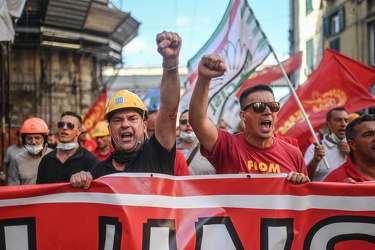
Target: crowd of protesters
<point>128,142</point>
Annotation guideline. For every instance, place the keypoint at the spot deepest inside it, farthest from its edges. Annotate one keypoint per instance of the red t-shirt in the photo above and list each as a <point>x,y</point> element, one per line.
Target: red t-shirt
<point>288,139</point>
<point>100,156</point>
<point>181,167</point>
<point>233,154</point>
<point>345,171</point>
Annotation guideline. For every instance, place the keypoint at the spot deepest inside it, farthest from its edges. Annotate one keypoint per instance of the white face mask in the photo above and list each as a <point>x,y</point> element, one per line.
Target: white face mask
<point>67,146</point>
<point>335,139</point>
<point>34,149</point>
<point>188,137</point>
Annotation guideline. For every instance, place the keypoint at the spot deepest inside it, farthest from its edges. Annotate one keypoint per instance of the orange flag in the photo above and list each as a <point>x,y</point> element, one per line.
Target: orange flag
<point>339,81</point>
<point>95,114</point>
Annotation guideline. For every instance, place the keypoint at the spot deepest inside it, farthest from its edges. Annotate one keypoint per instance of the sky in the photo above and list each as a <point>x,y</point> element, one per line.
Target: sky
<point>195,21</point>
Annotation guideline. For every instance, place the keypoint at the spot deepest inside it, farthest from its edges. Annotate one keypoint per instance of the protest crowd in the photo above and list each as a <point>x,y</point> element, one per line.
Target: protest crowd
<point>215,162</point>
<point>132,138</point>
<point>125,143</point>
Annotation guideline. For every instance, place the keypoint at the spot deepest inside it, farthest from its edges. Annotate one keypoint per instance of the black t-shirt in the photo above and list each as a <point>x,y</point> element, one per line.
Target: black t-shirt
<point>151,158</point>
<point>51,170</point>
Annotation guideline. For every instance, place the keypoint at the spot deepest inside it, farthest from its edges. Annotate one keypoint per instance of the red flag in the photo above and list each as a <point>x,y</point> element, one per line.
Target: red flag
<point>95,114</point>
<point>272,73</point>
<point>339,81</point>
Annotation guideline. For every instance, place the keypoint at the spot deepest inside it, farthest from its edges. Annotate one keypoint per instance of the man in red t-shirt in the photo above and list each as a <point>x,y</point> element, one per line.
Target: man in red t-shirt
<point>256,150</point>
<point>88,144</point>
<point>103,140</point>
<point>360,164</point>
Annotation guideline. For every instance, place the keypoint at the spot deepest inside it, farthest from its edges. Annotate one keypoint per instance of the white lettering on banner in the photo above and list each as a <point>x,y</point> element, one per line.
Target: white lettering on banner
<point>18,233</point>
<point>110,233</point>
<point>330,231</point>
<point>211,233</point>
<point>16,237</point>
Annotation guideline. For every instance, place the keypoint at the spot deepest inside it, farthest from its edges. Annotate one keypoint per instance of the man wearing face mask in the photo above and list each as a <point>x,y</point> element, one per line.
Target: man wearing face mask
<point>333,146</point>
<point>34,133</point>
<point>68,157</point>
<point>189,145</point>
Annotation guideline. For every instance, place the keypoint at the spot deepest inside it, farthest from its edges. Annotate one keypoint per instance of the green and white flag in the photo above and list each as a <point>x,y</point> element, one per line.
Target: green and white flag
<point>240,41</point>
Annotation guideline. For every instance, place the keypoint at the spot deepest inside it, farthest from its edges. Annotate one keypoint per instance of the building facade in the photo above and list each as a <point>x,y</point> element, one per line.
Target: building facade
<point>347,26</point>
<point>54,61</point>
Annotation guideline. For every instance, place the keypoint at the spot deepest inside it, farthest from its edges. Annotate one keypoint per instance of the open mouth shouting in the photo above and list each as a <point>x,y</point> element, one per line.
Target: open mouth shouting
<point>266,125</point>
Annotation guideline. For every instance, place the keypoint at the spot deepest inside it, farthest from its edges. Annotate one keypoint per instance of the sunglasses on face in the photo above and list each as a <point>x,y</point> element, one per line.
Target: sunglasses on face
<point>184,121</point>
<point>259,107</point>
<point>68,124</point>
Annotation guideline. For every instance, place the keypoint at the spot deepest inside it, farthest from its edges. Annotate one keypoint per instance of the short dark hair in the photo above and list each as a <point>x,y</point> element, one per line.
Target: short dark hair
<point>351,130</point>
<point>71,113</point>
<point>183,112</point>
<point>152,111</point>
<point>250,90</point>
<point>329,113</point>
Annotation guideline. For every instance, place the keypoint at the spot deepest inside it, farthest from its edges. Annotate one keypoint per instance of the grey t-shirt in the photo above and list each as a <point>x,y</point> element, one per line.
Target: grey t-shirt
<point>10,158</point>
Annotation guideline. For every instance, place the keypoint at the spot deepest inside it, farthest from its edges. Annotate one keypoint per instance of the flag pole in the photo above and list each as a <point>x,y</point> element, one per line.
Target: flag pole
<point>298,102</point>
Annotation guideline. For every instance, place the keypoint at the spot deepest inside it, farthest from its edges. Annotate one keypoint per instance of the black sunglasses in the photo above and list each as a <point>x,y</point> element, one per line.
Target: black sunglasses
<point>184,121</point>
<point>68,124</point>
<point>259,107</point>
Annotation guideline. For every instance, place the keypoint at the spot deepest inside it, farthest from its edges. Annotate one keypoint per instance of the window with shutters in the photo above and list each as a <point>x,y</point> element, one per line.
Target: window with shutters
<point>334,23</point>
<point>335,44</point>
<point>310,53</point>
<point>309,7</point>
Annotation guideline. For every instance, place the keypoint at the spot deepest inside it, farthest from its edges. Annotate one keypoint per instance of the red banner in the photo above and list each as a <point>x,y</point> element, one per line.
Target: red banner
<point>269,74</point>
<point>338,82</point>
<point>143,211</point>
<point>95,114</point>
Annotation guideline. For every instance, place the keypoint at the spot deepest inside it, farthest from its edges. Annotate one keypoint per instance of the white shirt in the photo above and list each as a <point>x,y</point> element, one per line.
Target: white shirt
<point>334,158</point>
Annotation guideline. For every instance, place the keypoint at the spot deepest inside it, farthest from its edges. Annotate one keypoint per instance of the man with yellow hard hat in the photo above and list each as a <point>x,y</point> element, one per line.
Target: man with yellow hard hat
<point>127,115</point>
<point>103,141</point>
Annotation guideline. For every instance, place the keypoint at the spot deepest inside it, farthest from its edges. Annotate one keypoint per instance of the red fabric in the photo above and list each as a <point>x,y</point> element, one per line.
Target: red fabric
<point>304,145</point>
<point>89,144</point>
<point>269,74</point>
<point>181,167</point>
<point>338,82</point>
<point>100,156</point>
<point>345,171</point>
<point>95,114</point>
<point>287,139</point>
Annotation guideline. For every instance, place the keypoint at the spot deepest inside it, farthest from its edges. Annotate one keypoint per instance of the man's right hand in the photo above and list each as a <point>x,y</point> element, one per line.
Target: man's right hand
<point>81,180</point>
<point>319,151</point>
<point>211,66</point>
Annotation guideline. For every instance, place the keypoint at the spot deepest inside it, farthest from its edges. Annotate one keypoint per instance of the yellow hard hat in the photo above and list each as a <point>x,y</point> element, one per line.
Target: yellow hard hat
<point>352,116</point>
<point>124,99</point>
<point>101,129</point>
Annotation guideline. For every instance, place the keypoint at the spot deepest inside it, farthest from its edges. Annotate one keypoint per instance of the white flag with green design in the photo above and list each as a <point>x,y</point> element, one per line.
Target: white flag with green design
<point>240,41</point>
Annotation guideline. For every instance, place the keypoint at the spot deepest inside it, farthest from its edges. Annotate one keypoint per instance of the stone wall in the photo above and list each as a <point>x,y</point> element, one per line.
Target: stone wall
<point>45,83</point>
